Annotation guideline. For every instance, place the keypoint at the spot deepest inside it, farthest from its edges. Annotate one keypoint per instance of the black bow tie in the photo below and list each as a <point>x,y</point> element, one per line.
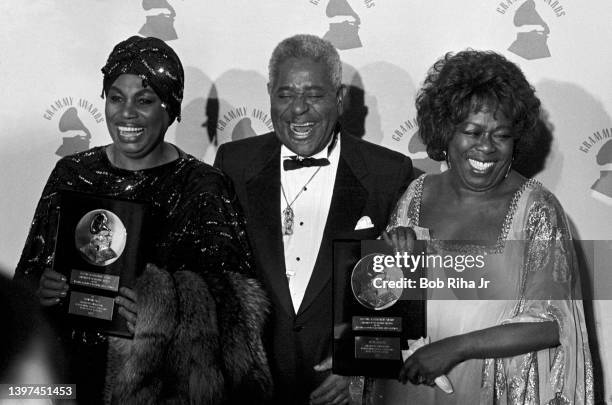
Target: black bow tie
<point>295,163</point>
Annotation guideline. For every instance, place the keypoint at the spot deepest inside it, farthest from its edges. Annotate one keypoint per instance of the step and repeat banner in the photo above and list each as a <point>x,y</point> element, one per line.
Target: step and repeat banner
<point>50,83</point>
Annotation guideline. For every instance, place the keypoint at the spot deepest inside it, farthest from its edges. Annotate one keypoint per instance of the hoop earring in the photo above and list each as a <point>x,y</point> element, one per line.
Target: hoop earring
<point>509,167</point>
<point>446,159</point>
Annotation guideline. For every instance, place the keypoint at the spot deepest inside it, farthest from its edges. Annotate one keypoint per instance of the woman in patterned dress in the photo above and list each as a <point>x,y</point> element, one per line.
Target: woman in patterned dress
<point>197,311</point>
<point>523,339</point>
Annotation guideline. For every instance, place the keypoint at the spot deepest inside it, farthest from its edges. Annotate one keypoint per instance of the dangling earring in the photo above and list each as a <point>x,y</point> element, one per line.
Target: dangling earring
<point>446,159</point>
<point>509,167</point>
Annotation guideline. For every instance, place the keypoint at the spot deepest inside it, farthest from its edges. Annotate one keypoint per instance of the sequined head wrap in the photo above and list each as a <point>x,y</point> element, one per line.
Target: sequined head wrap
<point>155,62</point>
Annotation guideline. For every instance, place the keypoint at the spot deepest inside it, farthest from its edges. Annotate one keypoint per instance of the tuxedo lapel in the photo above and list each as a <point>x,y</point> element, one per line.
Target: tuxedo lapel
<point>347,204</point>
<point>263,199</point>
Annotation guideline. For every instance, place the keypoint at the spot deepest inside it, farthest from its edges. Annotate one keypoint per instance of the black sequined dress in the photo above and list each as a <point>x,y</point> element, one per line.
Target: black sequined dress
<point>197,228</point>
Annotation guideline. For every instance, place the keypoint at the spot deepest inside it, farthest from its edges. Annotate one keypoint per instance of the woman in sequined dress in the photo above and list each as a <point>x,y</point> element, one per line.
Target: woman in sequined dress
<point>196,312</point>
<point>523,339</point>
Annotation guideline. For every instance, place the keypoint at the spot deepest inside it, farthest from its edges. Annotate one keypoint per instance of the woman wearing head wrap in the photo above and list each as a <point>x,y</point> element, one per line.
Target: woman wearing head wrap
<point>196,312</point>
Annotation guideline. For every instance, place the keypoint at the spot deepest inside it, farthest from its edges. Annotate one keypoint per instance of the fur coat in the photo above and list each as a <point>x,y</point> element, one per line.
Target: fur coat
<point>187,351</point>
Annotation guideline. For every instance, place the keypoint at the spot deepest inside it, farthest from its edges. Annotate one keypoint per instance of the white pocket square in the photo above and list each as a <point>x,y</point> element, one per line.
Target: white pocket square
<point>364,223</point>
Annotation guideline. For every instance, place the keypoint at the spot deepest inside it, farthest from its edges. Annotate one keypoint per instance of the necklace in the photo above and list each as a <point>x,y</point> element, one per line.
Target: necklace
<point>288,214</point>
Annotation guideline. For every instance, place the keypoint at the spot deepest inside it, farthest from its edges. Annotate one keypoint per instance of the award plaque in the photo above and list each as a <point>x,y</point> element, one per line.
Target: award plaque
<point>100,247</point>
<point>377,307</point>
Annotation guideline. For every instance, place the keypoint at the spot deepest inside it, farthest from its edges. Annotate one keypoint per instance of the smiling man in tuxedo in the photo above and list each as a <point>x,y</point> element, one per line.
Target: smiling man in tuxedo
<point>302,186</point>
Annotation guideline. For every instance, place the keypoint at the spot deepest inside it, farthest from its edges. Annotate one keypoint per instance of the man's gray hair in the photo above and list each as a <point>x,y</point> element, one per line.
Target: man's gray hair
<point>307,46</point>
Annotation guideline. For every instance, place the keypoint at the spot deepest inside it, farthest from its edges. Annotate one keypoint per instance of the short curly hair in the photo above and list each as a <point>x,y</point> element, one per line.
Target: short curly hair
<point>461,83</point>
<point>310,47</point>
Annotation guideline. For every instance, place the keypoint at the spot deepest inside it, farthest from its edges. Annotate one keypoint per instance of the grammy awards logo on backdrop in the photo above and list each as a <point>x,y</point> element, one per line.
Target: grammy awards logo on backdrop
<point>73,114</point>
<point>242,122</point>
<point>159,21</point>
<point>344,23</point>
<point>416,148</point>
<point>533,31</point>
<point>601,142</point>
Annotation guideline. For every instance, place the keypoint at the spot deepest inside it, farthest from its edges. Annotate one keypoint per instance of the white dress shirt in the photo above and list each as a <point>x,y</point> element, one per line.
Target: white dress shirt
<point>310,210</point>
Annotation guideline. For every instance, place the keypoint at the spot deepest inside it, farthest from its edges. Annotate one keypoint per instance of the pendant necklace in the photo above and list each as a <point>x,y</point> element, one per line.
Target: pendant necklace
<point>288,214</point>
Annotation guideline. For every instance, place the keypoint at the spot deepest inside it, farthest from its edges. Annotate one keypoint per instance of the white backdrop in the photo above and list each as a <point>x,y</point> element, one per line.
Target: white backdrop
<point>52,52</point>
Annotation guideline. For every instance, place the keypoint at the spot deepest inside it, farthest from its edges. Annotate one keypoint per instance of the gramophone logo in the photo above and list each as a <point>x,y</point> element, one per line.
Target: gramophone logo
<point>601,189</point>
<point>159,20</point>
<point>76,136</point>
<point>530,44</point>
<point>344,23</point>
<point>533,31</point>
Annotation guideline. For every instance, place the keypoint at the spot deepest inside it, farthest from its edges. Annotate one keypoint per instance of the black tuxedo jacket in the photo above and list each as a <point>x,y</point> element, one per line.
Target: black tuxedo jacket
<point>369,181</point>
